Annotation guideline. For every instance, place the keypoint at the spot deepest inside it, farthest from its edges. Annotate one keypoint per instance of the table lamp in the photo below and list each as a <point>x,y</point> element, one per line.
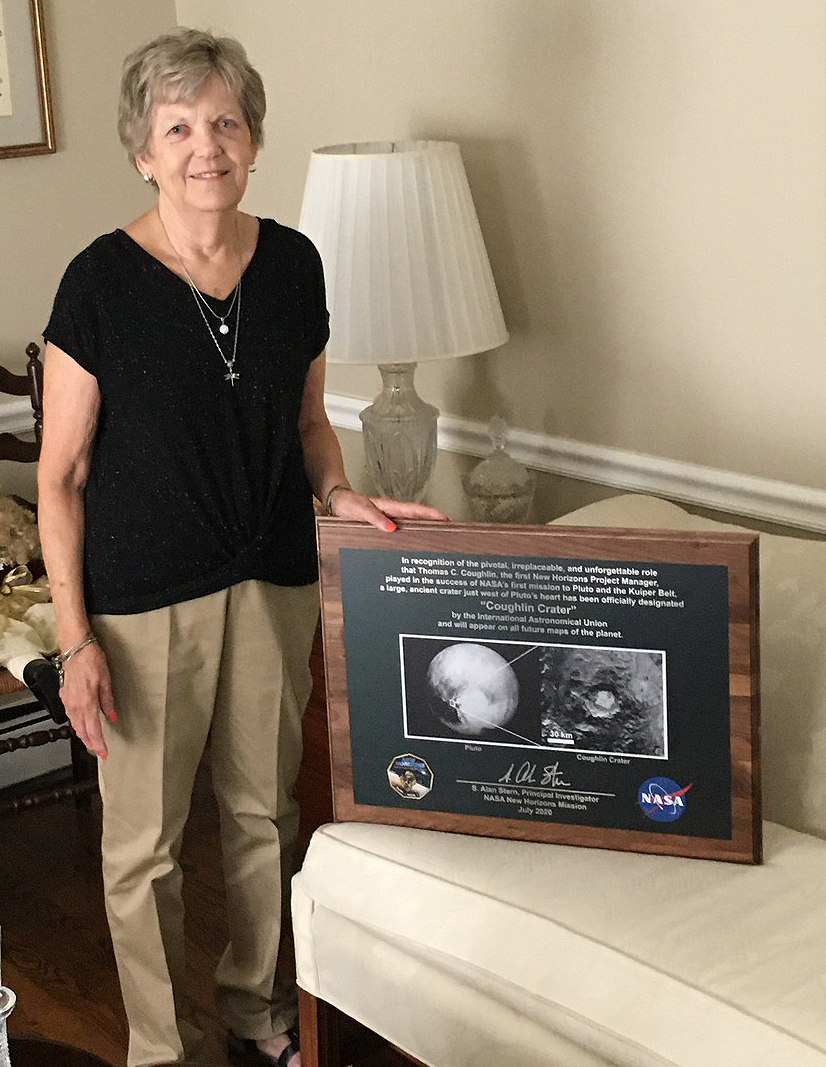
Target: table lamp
<point>408,279</point>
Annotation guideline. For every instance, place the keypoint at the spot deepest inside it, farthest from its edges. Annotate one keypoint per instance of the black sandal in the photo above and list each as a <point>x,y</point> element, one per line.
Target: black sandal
<point>245,1052</point>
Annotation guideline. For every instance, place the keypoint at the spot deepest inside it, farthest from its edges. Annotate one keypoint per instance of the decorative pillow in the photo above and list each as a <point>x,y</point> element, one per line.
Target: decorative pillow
<point>792,653</point>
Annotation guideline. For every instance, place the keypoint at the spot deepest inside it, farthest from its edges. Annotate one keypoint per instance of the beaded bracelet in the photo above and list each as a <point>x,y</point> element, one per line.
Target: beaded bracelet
<point>328,499</point>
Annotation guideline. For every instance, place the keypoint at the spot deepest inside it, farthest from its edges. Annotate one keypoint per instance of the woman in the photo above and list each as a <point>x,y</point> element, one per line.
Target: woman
<point>185,435</point>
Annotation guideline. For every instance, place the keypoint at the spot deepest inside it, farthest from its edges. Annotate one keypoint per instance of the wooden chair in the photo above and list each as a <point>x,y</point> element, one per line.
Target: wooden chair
<point>29,384</point>
<point>83,768</point>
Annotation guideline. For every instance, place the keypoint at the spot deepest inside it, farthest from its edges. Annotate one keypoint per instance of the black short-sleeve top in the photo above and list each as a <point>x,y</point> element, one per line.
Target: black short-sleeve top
<point>196,482</point>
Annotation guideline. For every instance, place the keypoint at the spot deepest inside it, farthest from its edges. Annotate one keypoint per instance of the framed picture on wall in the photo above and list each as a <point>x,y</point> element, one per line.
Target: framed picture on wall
<point>26,126</point>
<point>577,686</point>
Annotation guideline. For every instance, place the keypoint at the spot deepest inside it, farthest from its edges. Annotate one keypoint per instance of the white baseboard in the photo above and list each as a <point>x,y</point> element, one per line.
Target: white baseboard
<point>736,494</point>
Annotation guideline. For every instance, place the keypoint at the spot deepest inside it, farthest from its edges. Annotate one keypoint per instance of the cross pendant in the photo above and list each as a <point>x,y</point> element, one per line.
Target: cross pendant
<point>231,378</point>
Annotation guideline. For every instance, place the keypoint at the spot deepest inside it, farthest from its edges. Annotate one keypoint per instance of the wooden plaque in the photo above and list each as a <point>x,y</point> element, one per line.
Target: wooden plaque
<point>583,686</point>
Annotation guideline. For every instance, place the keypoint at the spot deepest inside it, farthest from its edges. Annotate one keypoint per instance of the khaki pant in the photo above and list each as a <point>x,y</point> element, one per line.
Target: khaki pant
<point>234,666</point>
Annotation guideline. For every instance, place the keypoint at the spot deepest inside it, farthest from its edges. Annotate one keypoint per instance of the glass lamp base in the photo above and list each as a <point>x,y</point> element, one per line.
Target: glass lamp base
<point>399,435</point>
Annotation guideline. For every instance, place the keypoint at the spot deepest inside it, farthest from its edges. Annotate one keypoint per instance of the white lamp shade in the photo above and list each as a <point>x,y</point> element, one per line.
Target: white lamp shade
<point>407,275</point>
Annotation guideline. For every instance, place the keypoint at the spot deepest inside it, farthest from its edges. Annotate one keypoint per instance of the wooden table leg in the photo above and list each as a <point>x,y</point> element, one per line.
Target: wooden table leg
<point>319,1025</point>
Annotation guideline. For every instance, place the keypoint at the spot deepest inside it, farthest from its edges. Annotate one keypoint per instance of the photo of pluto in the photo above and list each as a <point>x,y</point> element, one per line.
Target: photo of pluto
<point>509,693</point>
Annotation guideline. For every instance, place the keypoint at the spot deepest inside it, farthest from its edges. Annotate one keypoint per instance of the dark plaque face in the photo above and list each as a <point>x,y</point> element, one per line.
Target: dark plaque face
<point>593,687</point>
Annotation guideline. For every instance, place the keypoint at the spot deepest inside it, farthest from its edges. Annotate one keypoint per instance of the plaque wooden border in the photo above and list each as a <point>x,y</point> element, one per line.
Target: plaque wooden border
<point>737,552</point>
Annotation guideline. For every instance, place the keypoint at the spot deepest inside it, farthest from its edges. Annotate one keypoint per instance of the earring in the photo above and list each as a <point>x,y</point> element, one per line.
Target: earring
<point>148,179</point>
<point>253,168</point>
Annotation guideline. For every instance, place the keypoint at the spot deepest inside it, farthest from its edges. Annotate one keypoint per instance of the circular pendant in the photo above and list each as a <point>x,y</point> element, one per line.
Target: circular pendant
<point>223,328</point>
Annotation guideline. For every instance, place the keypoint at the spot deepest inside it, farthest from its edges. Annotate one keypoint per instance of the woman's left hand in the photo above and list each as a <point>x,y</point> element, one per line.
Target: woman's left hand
<point>379,511</point>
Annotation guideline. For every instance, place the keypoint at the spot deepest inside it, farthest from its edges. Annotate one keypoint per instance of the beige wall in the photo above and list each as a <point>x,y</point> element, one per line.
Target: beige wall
<point>650,178</point>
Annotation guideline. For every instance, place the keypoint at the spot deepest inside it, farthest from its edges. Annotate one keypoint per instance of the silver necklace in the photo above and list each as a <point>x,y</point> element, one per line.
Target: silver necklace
<point>232,375</point>
<point>199,296</point>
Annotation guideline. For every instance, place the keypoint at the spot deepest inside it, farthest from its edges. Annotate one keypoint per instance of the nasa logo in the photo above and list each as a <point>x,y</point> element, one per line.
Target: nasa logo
<point>661,799</point>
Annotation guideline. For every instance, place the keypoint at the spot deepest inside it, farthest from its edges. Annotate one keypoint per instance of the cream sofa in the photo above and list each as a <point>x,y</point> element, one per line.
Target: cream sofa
<point>477,951</point>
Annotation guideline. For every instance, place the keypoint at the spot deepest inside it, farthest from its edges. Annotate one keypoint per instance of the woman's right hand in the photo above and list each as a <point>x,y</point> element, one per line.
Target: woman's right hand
<point>86,695</point>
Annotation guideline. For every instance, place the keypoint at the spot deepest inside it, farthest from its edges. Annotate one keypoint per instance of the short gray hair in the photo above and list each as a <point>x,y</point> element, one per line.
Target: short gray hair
<point>173,67</point>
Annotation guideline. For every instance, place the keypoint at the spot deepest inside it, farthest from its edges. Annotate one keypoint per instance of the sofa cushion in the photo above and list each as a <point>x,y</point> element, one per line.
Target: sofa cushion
<point>632,959</point>
<point>792,653</point>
